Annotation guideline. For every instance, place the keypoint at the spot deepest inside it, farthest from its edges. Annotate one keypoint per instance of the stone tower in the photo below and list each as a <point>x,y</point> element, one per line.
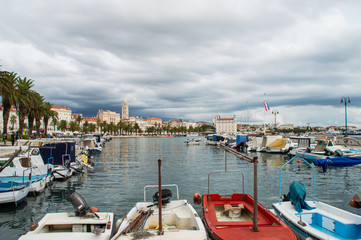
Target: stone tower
<point>125,110</point>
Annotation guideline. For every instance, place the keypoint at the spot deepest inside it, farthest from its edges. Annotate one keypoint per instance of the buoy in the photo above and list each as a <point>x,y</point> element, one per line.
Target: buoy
<point>197,198</point>
<point>298,161</point>
<point>95,209</point>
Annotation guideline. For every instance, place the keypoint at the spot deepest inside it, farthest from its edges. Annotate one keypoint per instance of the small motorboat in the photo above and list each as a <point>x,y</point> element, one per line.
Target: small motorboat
<point>193,142</point>
<point>81,225</point>
<point>180,220</point>
<point>314,219</point>
<point>239,215</point>
<point>13,192</point>
<point>231,217</point>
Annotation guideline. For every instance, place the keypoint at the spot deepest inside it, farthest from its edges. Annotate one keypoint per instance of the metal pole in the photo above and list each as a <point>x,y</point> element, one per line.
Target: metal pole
<point>160,229</point>
<point>346,115</point>
<point>255,200</point>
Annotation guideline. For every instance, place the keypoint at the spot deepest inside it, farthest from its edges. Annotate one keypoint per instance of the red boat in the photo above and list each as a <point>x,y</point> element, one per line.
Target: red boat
<point>230,217</point>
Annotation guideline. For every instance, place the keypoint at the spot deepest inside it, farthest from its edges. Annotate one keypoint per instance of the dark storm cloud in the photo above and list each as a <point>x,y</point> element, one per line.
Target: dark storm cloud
<point>189,59</point>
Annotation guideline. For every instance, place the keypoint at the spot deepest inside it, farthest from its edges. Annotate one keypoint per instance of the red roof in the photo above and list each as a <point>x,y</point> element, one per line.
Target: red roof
<point>225,119</point>
<point>58,107</point>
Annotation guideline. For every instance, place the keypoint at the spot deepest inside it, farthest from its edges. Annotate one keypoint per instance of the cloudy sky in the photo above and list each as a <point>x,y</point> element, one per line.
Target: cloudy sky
<point>190,59</point>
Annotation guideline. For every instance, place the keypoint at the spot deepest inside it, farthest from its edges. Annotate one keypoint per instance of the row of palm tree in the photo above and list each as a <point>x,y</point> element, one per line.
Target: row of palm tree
<point>19,92</point>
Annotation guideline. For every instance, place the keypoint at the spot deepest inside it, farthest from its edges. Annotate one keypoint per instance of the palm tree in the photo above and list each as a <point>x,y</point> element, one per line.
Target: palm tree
<point>39,112</point>
<point>54,120</point>
<point>47,114</point>
<point>7,89</point>
<point>13,120</point>
<point>62,125</point>
<point>32,108</point>
<point>78,119</point>
<point>23,88</point>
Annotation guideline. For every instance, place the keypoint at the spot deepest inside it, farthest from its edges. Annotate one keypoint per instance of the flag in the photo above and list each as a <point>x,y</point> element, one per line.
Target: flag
<point>266,106</point>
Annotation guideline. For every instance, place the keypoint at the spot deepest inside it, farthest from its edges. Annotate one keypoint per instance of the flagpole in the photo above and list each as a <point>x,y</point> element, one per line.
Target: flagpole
<point>264,115</point>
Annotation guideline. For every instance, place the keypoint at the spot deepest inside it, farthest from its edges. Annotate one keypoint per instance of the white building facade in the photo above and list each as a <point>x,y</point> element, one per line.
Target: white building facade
<point>225,125</point>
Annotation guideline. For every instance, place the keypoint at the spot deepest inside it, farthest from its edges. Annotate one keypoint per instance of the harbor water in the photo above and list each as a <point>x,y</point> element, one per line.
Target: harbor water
<point>126,165</point>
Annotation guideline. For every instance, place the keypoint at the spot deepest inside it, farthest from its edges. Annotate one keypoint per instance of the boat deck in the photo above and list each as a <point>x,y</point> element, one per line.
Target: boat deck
<point>231,216</point>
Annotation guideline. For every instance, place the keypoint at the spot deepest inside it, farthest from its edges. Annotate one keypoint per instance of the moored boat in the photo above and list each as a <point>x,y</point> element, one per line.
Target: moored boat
<point>13,192</point>
<point>178,218</point>
<point>81,225</point>
<point>315,219</point>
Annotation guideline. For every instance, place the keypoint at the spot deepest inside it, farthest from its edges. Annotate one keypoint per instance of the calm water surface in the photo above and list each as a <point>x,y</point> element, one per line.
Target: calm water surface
<point>126,165</point>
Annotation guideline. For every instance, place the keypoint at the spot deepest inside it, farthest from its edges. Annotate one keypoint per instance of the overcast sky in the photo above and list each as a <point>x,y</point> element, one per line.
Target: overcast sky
<point>190,59</point>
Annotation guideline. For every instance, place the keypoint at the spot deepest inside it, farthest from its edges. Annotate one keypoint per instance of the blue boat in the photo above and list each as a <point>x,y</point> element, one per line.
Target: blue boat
<point>314,219</point>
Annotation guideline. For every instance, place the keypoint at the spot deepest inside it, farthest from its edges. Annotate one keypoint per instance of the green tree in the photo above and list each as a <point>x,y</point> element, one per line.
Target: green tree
<point>54,121</point>
<point>8,93</point>
<point>62,125</point>
<point>23,95</point>
<point>47,114</point>
<point>78,119</point>
<point>73,126</point>
<point>13,121</point>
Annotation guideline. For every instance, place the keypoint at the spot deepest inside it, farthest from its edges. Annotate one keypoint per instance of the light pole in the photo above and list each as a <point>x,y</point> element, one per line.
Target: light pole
<point>275,112</point>
<point>345,100</point>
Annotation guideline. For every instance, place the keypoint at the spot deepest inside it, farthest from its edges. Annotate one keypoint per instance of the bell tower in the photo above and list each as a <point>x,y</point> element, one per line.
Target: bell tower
<point>125,110</point>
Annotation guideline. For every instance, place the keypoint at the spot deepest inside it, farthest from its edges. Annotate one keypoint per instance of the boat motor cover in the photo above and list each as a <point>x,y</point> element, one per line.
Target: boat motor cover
<point>79,203</point>
<point>166,195</point>
<point>297,195</point>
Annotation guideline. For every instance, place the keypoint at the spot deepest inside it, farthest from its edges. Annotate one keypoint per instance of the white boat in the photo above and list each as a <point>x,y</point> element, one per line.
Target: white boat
<point>282,145</point>
<point>322,222</point>
<point>193,142</point>
<point>81,225</point>
<point>314,219</point>
<point>180,220</point>
<point>12,192</point>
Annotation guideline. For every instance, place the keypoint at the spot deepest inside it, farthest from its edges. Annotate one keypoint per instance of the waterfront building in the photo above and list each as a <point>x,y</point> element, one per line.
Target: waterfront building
<point>175,123</point>
<point>108,116</point>
<point>154,120</point>
<point>64,113</point>
<point>125,110</point>
<point>189,124</point>
<point>225,125</point>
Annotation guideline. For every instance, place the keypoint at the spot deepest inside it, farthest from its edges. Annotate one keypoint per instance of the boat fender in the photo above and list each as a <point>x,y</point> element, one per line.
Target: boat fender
<point>35,152</point>
<point>94,209</point>
<point>308,150</point>
<point>197,198</point>
<point>34,226</point>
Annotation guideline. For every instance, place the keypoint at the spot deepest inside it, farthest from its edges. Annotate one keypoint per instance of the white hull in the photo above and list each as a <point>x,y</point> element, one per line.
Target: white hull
<point>37,186</point>
<point>323,222</point>
<point>61,173</point>
<point>61,226</point>
<point>180,221</point>
<point>15,196</point>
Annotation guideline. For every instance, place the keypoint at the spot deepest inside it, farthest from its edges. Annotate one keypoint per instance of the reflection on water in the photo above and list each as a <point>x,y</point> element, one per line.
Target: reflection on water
<point>126,165</point>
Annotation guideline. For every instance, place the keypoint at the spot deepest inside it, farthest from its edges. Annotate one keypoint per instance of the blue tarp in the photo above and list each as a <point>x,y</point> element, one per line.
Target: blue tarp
<point>297,195</point>
<point>337,162</point>
<point>57,151</point>
<point>241,138</point>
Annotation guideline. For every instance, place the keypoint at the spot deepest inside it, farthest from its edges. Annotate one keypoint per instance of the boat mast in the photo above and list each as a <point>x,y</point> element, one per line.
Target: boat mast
<point>264,115</point>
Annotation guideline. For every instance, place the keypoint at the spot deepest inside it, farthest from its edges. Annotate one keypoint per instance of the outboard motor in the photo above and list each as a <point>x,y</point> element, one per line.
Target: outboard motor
<point>166,195</point>
<point>80,205</point>
<point>338,153</point>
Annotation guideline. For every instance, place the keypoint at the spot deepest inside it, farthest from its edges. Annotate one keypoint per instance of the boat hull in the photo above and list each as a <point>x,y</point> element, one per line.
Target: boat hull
<point>230,217</point>
<point>60,226</point>
<point>322,222</point>
<point>13,193</point>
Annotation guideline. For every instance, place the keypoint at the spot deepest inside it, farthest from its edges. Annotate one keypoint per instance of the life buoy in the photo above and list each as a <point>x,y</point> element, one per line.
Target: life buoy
<point>35,151</point>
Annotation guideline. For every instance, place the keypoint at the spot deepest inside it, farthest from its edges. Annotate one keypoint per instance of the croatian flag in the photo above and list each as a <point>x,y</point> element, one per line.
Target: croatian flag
<point>266,106</point>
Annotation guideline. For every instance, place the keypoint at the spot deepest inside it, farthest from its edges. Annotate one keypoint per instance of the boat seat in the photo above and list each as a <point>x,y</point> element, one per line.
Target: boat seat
<point>233,210</point>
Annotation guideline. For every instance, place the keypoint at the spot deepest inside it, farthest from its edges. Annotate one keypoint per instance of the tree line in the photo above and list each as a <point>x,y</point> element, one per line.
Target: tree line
<point>19,92</point>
